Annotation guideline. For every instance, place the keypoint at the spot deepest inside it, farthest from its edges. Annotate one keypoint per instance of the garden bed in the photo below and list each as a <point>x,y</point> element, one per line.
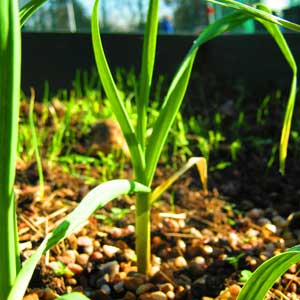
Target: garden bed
<point>204,245</point>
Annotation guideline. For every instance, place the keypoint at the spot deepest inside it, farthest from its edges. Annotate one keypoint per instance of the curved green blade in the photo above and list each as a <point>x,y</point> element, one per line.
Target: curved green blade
<point>282,44</point>
<point>201,164</point>
<point>117,104</point>
<point>257,13</point>
<point>10,76</point>
<point>29,9</point>
<point>178,88</point>
<point>148,59</point>
<point>97,197</point>
<point>266,275</point>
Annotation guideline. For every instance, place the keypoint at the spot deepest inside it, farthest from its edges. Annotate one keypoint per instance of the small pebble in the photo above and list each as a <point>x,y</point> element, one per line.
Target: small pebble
<point>166,287</point>
<point>158,295</point>
<point>119,287</point>
<point>75,268</point>
<point>105,289</point>
<point>49,294</point>
<point>97,256</point>
<point>234,290</point>
<point>156,260</point>
<point>181,245</point>
<point>132,283</point>
<point>255,213</point>
<point>144,288</point>
<point>88,250</point>
<point>111,268</point>
<point>170,295</point>
<point>129,296</point>
<point>71,281</point>
<point>65,259</point>
<point>110,251</point>
<point>116,232</point>
<point>270,227</point>
<point>154,270</point>
<point>84,241</point>
<point>180,262</point>
<point>263,221</point>
<point>199,260</point>
<point>31,296</point>
<point>82,259</point>
<point>207,249</point>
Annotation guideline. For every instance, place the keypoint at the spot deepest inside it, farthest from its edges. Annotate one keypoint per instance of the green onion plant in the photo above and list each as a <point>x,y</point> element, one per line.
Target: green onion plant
<point>145,150</point>
<point>14,278</point>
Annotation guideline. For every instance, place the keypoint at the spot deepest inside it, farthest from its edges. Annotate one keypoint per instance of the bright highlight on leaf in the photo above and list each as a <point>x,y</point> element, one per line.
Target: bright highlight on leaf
<point>201,164</point>
<point>29,9</point>
<point>267,274</point>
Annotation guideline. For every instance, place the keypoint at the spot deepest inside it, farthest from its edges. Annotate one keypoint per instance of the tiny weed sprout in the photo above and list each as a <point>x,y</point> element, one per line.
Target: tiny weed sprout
<point>145,149</point>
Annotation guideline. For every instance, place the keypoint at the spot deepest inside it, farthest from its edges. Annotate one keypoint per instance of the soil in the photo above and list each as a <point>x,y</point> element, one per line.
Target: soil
<point>203,244</point>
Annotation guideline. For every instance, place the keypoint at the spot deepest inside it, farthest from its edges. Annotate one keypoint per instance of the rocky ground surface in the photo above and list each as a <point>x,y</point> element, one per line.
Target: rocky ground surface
<point>203,245</point>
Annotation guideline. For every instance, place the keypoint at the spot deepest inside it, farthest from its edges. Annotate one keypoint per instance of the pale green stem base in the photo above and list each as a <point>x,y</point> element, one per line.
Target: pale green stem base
<point>9,258</point>
<point>143,233</point>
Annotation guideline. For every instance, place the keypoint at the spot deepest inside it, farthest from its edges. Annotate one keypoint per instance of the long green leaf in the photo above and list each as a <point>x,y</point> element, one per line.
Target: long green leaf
<point>148,59</point>
<point>137,156</point>
<point>201,164</point>
<point>263,14</point>
<point>10,74</point>
<point>282,44</point>
<point>73,296</point>
<point>29,9</point>
<point>266,275</point>
<point>257,13</point>
<point>178,88</point>
<point>96,198</point>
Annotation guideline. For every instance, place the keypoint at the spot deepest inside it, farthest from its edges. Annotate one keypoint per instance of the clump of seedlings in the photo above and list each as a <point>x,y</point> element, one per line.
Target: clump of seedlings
<point>145,148</point>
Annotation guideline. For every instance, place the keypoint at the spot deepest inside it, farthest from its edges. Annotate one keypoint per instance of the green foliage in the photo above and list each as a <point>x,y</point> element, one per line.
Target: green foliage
<point>96,198</point>
<point>145,152</point>
<point>10,76</point>
<point>266,275</point>
<point>35,145</point>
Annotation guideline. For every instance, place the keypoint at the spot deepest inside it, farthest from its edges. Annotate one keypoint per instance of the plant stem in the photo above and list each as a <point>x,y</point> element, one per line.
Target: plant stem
<point>36,145</point>
<point>143,232</point>
<point>10,70</point>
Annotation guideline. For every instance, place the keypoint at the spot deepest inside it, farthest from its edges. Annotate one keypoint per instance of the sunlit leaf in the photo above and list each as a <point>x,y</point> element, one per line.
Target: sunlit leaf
<point>96,198</point>
<point>177,89</point>
<point>29,9</point>
<point>267,274</point>
<point>201,164</point>
<point>116,102</point>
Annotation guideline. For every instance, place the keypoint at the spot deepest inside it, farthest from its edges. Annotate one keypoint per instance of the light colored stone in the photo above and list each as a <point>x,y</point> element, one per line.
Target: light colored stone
<point>110,251</point>
<point>180,262</point>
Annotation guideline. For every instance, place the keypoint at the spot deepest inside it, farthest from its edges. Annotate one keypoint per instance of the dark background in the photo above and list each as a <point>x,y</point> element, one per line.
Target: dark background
<point>254,60</point>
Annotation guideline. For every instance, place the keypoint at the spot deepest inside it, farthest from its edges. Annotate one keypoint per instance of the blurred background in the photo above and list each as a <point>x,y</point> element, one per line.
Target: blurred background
<point>128,16</point>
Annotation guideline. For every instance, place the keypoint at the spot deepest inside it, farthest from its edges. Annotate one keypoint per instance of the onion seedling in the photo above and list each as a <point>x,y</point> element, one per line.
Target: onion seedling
<point>14,278</point>
<point>146,150</point>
